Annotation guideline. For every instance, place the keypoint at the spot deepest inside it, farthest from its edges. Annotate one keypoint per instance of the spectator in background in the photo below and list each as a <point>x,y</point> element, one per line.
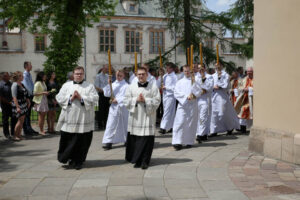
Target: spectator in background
<point>20,103</point>
<point>241,73</point>
<point>53,88</point>
<point>40,99</point>
<point>6,98</point>
<point>70,76</point>
<point>100,82</point>
<point>28,84</point>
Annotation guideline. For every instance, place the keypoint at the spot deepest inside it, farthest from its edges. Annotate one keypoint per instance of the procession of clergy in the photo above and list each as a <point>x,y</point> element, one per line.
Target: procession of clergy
<point>195,105</point>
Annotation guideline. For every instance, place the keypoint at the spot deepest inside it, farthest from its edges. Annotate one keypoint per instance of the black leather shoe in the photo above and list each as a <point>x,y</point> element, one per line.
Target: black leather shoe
<point>170,131</point>
<point>198,139</point>
<point>71,163</point>
<point>137,165</point>
<point>177,147</point>
<point>144,166</point>
<point>162,131</point>
<point>107,146</point>
<point>78,166</point>
<point>243,129</point>
<point>213,135</point>
<point>229,132</point>
<point>188,146</point>
<point>204,137</point>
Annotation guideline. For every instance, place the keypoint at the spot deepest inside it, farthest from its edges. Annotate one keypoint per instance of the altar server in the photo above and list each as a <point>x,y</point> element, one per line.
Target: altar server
<point>116,127</point>
<point>78,99</point>
<point>204,83</point>
<point>169,101</point>
<point>185,124</point>
<point>224,117</point>
<point>141,99</point>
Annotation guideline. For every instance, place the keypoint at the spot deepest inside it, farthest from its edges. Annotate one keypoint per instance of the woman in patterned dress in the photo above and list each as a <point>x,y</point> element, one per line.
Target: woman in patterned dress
<point>52,103</point>
<point>40,99</point>
<point>20,103</point>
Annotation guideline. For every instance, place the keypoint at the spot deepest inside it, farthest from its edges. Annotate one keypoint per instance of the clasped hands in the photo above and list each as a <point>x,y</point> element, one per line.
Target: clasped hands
<point>191,97</point>
<point>140,98</point>
<point>76,95</point>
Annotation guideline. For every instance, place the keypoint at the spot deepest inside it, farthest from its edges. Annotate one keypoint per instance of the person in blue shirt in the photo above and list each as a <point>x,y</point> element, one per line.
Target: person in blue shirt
<point>28,83</point>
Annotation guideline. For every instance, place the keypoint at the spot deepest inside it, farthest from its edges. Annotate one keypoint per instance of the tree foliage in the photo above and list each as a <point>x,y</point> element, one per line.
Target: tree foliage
<point>197,24</point>
<point>63,21</point>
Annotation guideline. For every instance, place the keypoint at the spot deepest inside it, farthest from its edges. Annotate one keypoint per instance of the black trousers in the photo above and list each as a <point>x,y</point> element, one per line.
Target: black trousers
<point>27,122</point>
<point>139,148</point>
<point>74,146</point>
<point>103,109</point>
<point>6,114</point>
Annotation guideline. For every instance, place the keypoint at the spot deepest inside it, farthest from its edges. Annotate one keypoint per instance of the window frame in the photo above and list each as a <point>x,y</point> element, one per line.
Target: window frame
<point>35,36</point>
<point>129,44</point>
<point>109,39</point>
<point>150,39</point>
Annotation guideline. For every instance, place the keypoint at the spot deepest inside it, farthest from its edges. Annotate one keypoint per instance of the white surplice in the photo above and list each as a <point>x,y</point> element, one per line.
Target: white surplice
<point>224,117</point>
<point>169,101</point>
<point>77,116</point>
<point>204,103</point>
<point>117,122</point>
<point>142,116</point>
<point>185,124</point>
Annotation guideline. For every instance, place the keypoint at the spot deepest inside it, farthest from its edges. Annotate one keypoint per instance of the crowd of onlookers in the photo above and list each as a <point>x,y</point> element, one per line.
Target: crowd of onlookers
<point>19,94</point>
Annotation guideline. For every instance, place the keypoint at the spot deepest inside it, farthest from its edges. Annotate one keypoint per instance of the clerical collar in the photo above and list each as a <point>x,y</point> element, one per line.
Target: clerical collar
<point>142,84</point>
<point>74,82</point>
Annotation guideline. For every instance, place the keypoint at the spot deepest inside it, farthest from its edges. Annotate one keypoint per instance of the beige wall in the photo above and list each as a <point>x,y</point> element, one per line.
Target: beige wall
<point>277,65</point>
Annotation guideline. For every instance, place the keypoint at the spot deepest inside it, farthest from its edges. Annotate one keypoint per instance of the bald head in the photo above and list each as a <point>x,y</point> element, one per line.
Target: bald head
<point>250,72</point>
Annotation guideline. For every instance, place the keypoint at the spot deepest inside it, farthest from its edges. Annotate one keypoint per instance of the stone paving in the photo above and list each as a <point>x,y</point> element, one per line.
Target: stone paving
<point>218,169</point>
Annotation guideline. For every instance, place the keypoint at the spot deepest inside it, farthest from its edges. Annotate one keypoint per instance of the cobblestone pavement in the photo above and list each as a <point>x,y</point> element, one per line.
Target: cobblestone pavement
<point>219,169</point>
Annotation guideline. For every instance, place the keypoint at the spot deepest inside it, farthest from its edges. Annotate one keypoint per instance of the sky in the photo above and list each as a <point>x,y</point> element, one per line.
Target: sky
<point>219,5</point>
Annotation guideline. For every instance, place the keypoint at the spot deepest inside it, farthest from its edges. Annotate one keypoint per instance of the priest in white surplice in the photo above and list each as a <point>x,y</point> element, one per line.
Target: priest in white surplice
<point>76,121</point>
<point>185,124</point>
<point>224,117</point>
<point>141,99</point>
<point>116,127</point>
<point>204,83</point>
<point>169,101</point>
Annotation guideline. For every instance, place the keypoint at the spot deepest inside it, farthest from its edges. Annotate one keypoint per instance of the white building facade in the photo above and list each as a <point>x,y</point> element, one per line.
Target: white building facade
<point>134,28</point>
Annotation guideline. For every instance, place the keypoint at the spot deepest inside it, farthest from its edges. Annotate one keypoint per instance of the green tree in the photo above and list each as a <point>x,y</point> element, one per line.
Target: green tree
<point>63,21</point>
<point>196,23</point>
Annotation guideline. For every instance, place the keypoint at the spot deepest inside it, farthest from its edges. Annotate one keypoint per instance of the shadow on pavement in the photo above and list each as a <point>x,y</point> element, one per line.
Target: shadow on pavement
<point>166,161</point>
<point>103,163</point>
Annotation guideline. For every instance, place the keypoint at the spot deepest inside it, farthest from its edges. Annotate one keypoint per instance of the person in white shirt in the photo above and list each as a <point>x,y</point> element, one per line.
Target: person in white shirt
<point>117,122</point>
<point>77,99</point>
<point>103,105</point>
<point>169,101</point>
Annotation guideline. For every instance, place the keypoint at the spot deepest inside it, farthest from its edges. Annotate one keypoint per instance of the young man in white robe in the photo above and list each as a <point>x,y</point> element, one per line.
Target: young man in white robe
<point>224,117</point>
<point>141,99</point>
<point>169,101</point>
<point>185,124</point>
<point>77,99</point>
<point>116,127</point>
<point>204,83</point>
